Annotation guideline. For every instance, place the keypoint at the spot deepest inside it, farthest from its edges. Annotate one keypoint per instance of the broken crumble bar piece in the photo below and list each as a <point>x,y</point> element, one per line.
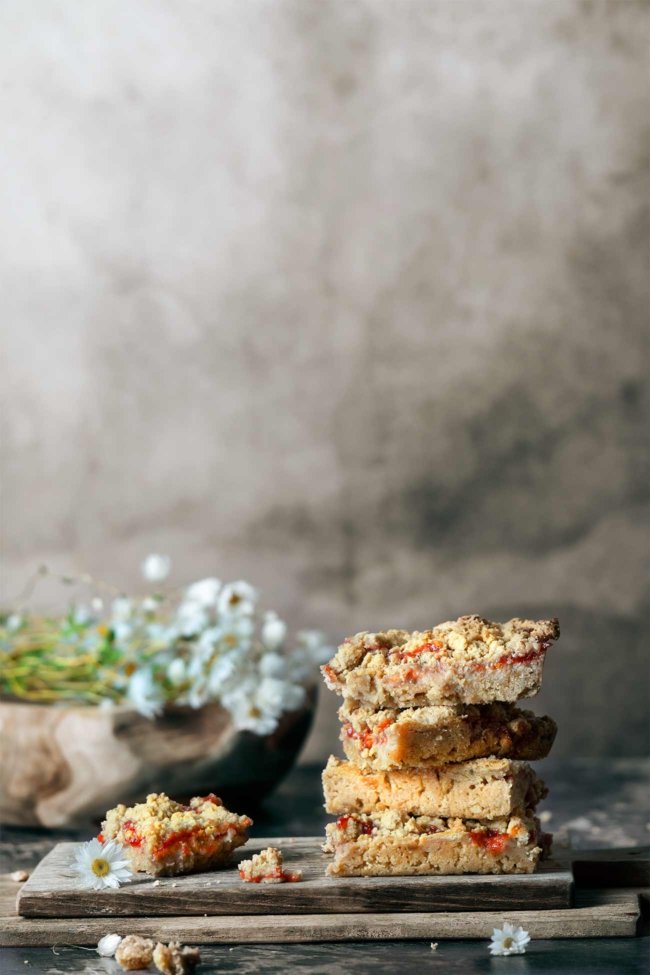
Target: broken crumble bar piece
<point>163,837</point>
<point>438,735</point>
<point>485,788</point>
<point>134,953</point>
<point>175,959</point>
<point>467,661</point>
<point>390,844</point>
<point>267,867</point>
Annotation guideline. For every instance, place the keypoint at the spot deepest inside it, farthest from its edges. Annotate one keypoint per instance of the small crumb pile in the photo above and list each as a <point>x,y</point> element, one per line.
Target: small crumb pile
<point>267,867</point>
<point>134,953</point>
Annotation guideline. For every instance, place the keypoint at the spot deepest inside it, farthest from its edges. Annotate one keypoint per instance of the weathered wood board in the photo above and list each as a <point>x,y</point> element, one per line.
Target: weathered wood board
<point>596,914</point>
<point>53,890</point>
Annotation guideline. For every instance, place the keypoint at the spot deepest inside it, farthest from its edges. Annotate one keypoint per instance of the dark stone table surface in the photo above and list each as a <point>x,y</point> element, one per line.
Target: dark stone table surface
<point>592,804</point>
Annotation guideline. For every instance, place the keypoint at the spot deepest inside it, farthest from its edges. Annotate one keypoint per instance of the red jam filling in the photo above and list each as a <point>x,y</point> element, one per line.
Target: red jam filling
<point>412,675</point>
<point>182,839</point>
<point>518,658</point>
<point>178,839</point>
<point>491,840</point>
<point>100,837</point>
<point>364,827</point>
<point>211,798</point>
<point>130,834</point>
<point>367,738</point>
<point>330,673</point>
<point>431,646</point>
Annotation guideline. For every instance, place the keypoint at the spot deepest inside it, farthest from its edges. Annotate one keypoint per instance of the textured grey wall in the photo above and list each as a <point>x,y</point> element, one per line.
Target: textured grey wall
<point>349,297</point>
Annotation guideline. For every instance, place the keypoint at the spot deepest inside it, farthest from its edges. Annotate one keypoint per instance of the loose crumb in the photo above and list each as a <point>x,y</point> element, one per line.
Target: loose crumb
<point>134,953</point>
<point>174,959</point>
<point>434,945</point>
<point>19,876</point>
<point>267,867</point>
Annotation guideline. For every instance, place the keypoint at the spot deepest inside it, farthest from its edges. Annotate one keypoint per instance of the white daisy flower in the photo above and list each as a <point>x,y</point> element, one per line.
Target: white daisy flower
<point>107,946</point>
<point>236,633</point>
<point>102,865</point>
<point>197,694</point>
<point>81,615</point>
<point>273,665</point>
<point>298,669</point>
<point>204,592</point>
<point>237,599</point>
<point>121,609</point>
<point>177,671</point>
<point>312,642</point>
<point>150,604</point>
<point>208,640</point>
<point>123,631</point>
<point>276,696</point>
<point>240,702</point>
<point>145,694</point>
<point>191,618</point>
<point>274,631</point>
<point>160,633</point>
<point>222,670</point>
<point>509,940</point>
<point>14,622</point>
<point>155,568</point>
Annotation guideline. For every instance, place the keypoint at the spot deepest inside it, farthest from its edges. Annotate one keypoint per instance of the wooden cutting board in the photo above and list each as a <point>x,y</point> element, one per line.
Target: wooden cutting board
<point>54,891</point>
<point>596,914</point>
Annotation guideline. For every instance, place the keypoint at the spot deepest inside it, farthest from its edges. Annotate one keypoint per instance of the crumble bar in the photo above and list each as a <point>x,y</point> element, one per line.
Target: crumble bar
<point>485,788</point>
<point>163,837</point>
<point>390,844</point>
<point>267,867</point>
<point>465,661</point>
<point>439,735</point>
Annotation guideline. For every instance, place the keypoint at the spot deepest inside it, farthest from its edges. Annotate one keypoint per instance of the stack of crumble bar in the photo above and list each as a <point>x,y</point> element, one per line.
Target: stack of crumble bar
<point>437,780</point>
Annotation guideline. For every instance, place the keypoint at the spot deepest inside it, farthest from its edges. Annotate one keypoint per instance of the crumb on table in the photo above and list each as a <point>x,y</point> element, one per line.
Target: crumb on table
<point>175,959</point>
<point>134,953</point>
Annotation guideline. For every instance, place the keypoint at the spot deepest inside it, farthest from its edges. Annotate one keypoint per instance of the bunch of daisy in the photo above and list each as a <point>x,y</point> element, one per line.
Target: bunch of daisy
<point>208,642</point>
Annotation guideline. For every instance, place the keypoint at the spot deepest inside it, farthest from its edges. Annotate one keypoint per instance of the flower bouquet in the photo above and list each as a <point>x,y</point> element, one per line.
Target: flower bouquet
<point>178,690</point>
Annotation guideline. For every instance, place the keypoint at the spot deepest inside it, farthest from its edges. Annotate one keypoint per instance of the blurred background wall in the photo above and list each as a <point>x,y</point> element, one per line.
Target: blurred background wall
<point>347,297</point>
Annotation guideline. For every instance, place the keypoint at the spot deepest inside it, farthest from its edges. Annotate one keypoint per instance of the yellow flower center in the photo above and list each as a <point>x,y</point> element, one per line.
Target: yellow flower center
<point>508,942</point>
<point>100,867</point>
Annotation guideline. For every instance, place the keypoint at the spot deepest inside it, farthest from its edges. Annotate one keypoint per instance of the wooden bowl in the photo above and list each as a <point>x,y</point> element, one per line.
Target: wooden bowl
<point>65,766</point>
